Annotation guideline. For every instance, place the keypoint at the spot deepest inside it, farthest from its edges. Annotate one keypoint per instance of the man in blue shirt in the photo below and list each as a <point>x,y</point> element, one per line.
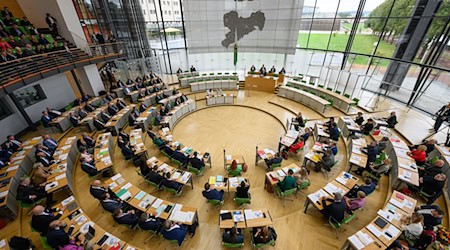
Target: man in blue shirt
<point>212,194</point>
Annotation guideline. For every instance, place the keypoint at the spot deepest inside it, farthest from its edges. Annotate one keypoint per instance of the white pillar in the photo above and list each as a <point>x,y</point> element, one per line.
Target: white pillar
<point>90,79</point>
<point>63,11</point>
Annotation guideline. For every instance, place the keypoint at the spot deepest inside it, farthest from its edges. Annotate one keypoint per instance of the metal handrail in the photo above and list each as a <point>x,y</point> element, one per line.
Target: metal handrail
<point>21,69</point>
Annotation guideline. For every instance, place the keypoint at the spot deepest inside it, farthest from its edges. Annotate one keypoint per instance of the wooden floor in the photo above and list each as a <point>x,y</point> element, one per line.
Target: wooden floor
<point>238,129</point>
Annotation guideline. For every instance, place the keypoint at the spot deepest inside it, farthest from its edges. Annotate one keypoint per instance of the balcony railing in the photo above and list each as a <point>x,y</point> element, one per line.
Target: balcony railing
<point>30,69</point>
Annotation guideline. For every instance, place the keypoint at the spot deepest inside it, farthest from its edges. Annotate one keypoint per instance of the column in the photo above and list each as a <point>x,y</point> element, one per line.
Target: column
<point>90,80</point>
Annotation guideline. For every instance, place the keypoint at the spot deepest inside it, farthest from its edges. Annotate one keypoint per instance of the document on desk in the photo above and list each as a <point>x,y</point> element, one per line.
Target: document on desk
<point>396,203</point>
<point>185,176</point>
<point>341,180</point>
<point>115,177</point>
<point>374,230</point>
<point>408,204</point>
<point>67,200</point>
<point>317,195</point>
<point>140,195</point>
<point>386,215</point>
<point>63,157</point>
<point>59,177</point>
<point>149,198</point>
<point>157,203</point>
<point>249,214</point>
<point>12,168</point>
<point>280,173</point>
<point>126,186</point>
<point>364,238</point>
<point>80,220</point>
<point>356,242</point>
<point>331,189</point>
<point>152,159</point>
<point>3,194</point>
<point>393,231</point>
<point>178,216</point>
<point>51,185</point>
<point>175,175</point>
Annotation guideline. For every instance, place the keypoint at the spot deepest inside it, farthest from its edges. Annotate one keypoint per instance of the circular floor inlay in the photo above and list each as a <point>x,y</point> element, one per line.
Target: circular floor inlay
<point>237,129</point>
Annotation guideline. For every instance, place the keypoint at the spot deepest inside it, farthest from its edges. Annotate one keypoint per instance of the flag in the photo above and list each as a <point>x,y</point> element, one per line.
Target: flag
<point>235,54</point>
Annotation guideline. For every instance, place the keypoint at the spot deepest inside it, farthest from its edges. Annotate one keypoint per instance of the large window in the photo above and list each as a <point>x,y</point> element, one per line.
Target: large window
<point>29,95</point>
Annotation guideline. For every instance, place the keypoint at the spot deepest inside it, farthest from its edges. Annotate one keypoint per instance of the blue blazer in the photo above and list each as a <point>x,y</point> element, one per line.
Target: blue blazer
<point>175,234</point>
<point>212,194</point>
<point>46,120</point>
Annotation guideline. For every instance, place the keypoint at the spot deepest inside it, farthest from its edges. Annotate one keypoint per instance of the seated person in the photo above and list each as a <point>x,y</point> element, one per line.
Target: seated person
<point>412,227</point>
<point>173,231</point>
<point>235,167</point>
<point>28,193</point>
<point>382,144</point>
<point>355,203</point>
<point>56,236</point>
<point>43,149</point>
<point>391,120</point>
<point>359,119</point>
<point>335,209</point>
<point>326,162</point>
<point>368,187</point>
<point>275,160</point>
<point>333,131</point>
<point>40,174</point>
<point>112,110</point>
<point>98,124</point>
<point>242,190</point>
<point>13,144</point>
<point>301,177</point>
<point>143,167</point>
<point>110,204</point>
<point>288,182</point>
<point>167,149</point>
<point>121,142</point>
<point>262,235</point>
<point>149,222</point>
<point>366,128</point>
<point>232,236</point>
<point>297,146</point>
<point>88,168</point>
<point>306,134</point>
<point>432,215</point>
<point>143,107</point>
<point>129,218</point>
<point>380,169</point>
<point>50,143</point>
<point>82,144</point>
<point>299,122</point>
<point>212,194</point>
<point>74,119</point>
<point>432,184</point>
<point>41,218</point>
<point>179,156</point>
<point>166,182</point>
<point>196,162</point>
<point>329,122</point>
<point>46,119</point>
<point>44,160</point>
<point>85,154</point>
<point>371,151</point>
<point>430,144</point>
<point>5,154</point>
<point>431,169</point>
<point>333,148</point>
<point>97,190</point>
<point>154,177</point>
<point>128,151</point>
<point>419,154</point>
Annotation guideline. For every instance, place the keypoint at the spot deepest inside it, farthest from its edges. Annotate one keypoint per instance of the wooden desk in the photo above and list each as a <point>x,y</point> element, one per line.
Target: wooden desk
<point>316,199</point>
<point>387,241</point>
<point>406,204</point>
<point>229,223</point>
<point>265,84</point>
<point>264,154</point>
<point>347,179</point>
<point>265,220</point>
<point>357,240</point>
<point>230,158</point>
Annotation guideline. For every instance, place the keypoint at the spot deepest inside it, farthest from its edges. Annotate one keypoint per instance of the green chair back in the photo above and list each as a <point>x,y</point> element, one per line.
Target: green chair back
<point>330,89</point>
<point>321,86</point>
<point>383,156</point>
<point>262,245</point>
<point>172,191</point>
<point>49,38</point>
<point>214,202</point>
<point>44,242</point>
<point>356,100</point>
<point>232,245</point>
<point>337,92</point>
<point>176,162</point>
<point>150,183</point>
<point>164,153</point>
<point>242,201</point>
<point>305,185</point>
<point>347,95</point>
<point>234,173</point>
<point>196,171</point>
<point>434,159</point>
<point>275,165</point>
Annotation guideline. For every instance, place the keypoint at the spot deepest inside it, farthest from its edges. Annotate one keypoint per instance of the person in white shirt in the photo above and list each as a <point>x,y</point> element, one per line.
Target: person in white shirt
<point>412,229</point>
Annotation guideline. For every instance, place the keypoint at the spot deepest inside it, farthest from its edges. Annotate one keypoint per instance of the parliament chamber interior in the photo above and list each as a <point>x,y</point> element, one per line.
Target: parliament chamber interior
<point>199,124</point>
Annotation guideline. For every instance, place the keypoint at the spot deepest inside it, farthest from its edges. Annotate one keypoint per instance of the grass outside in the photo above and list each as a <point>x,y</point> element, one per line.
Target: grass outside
<point>363,43</point>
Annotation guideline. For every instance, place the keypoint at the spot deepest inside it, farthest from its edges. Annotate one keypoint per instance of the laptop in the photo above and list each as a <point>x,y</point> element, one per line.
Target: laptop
<point>90,234</point>
<point>72,206</point>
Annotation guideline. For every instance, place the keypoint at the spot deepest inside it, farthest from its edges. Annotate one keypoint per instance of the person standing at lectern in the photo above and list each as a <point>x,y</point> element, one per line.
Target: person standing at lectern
<point>442,115</point>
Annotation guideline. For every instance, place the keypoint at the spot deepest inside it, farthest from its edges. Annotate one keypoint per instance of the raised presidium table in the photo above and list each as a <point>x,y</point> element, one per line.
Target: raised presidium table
<point>119,120</point>
<point>339,101</point>
<point>280,76</point>
<point>63,122</point>
<point>342,184</point>
<point>273,177</point>
<point>194,77</point>
<point>382,231</point>
<point>315,102</point>
<point>177,175</point>
<point>103,152</point>
<point>137,139</point>
<point>165,134</point>
<point>247,218</point>
<point>261,83</point>
<point>148,203</point>
<point>229,184</point>
<point>22,164</point>
<point>219,99</point>
<point>73,215</point>
<point>203,85</point>
<point>177,112</point>
<point>404,168</point>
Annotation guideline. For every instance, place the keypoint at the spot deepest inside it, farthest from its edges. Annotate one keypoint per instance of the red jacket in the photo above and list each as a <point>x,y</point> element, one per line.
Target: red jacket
<point>296,147</point>
<point>420,156</point>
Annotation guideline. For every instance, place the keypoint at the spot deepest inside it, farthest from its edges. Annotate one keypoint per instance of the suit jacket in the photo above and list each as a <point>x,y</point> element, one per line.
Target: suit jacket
<point>151,223</point>
<point>131,120</point>
<point>226,237</point>
<point>170,184</point>
<point>15,32</point>
<point>47,153</point>
<point>41,222</point>
<point>274,161</point>
<point>212,194</point>
<point>99,125</point>
<point>97,192</point>
<point>125,136</point>
<point>112,110</point>
<point>46,120</point>
<point>167,149</point>
<point>335,210</point>
<point>127,152</point>
<point>50,144</point>
<point>57,237</point>
<point>74,120</point>
<point>24,192</point>
<point>89,169</point>
<point>5,154</point>
<point>197,163</point>
<point>110,205</point>
<point>177,155</point>
<point>105,117</point>
<point>45,161</point>
<point>154,177</point>
<point>127,219</point>
<point>175,234</point>
<point>13,145</point>
<point>89,141</point>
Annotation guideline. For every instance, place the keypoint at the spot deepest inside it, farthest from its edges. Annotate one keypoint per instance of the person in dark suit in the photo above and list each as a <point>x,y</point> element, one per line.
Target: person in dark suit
<point>276,159</point>
<point>154,177</point>
<point>212,194</point>
<point>367,127</point>
<point>89,140</point>
<point>273,69</point>
<point>242,190</point>
<point>13,144</point>
<point>88,168</point>
<point>232,236</point>
<point>105,117</point>
<point>50,143</point>
<point>443,114</point>
<point>25,21</point>
<point>121,142</point>
<point>167,149</point>
<point>52,24</point>
<point>109,204</point>
<point>333,131</point>
<point>132,119</point>
<point>432,215</point>
<point>5,154</point>
<point>196,162</point>
<point>371,151</point>
<point>7,12</point>
<point>53,113</point>
<point>368,187</point>
<point>120,105</point>
<point>128,151</point>
<point>99,125</point>
<point>432,184</point>
<point>391,120</point>
<point>41,219</point>
<point>43,149</point>
<point>193,68</point>
<point>3,33</point>
<point>359,119</point>
<point>28,193</point>
<point>149,222</point>
<point>179,156</point>
<point>15,31</point>
<point>56,236</point>
<point>336,209</point>
<point>166,182</point>
<point>173,231</point>
<point>75,120</point>
<point>112,110</point>
<point>125,136</point>
<point>143,107</point>
<point>42,158</point>
<point>46,119</point>
<point>128,218</point>
<point>97,190</point>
